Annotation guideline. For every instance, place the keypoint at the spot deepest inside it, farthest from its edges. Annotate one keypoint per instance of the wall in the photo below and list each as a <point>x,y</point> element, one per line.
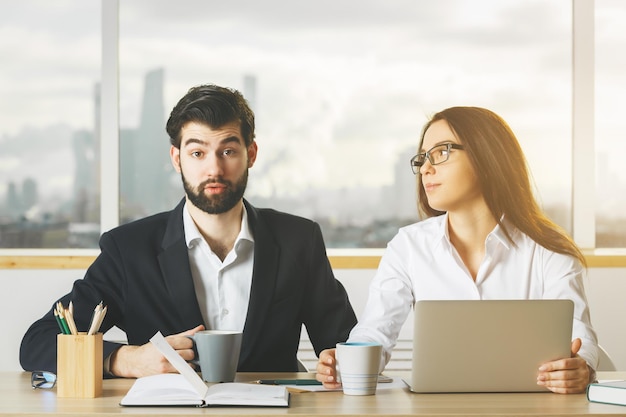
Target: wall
<point>30,293</point>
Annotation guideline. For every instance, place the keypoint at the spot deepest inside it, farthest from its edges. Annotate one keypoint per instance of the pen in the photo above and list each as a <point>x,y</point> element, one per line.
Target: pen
<point>96,320</point>
<point>61,319</point>
<point>58,319</point>
<point>69,318</point>
<point>288,382</point>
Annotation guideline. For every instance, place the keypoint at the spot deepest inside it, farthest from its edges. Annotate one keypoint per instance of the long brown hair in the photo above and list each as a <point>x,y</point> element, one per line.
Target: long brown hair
<point>503,177</point>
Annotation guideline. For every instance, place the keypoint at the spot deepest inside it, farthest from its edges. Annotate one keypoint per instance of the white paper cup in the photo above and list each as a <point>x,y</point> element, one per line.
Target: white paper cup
<point>358,367</point>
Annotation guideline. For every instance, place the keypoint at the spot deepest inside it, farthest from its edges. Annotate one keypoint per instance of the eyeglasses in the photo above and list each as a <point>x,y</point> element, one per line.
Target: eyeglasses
<point>435,155</point>
<point>42,379</point>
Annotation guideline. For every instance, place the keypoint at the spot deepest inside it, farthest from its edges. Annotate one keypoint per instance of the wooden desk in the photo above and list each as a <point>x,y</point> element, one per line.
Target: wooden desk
<point>18,398</point>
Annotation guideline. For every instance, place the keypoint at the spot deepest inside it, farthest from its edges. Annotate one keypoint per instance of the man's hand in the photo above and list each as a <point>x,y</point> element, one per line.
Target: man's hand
<point>327,369</point>
<point>137,361</point>
<point>566,376</point>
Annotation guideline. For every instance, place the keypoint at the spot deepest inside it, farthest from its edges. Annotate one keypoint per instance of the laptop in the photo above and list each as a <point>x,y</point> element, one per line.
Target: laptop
<point>487,345</point>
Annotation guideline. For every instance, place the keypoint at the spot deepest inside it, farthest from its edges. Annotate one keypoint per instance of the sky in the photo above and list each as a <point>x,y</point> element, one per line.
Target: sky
<point>343,87</point>
<point>352,83</point>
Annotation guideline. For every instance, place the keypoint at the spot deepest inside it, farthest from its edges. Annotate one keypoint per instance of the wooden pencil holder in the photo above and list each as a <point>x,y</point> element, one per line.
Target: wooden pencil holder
<point>79,365</point>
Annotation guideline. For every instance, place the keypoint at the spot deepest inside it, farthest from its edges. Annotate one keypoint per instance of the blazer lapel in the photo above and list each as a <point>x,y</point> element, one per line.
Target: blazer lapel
<point>174,263</point>
<point>266,256</point>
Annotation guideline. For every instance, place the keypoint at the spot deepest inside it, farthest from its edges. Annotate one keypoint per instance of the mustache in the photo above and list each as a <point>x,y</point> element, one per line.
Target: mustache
<point>213,181</point>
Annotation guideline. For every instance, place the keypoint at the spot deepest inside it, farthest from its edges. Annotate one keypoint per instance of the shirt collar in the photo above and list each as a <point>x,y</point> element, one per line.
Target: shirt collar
<point>245,233</point>
<point>498,232</point>
<point>442,238</point>
<point>193,235</point>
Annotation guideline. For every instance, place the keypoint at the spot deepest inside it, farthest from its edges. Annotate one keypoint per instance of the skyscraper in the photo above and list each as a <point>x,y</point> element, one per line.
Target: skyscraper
<point>148,167</point>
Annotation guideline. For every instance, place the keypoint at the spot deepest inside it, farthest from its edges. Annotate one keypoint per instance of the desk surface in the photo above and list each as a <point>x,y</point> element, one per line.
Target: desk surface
<point>18,398</point>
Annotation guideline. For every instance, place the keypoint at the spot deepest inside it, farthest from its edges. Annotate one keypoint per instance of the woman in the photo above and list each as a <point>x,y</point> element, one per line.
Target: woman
<point>485,237</point>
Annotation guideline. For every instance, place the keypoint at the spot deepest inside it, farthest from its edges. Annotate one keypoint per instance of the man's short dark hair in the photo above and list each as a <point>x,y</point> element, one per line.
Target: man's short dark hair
<point>214,106</point>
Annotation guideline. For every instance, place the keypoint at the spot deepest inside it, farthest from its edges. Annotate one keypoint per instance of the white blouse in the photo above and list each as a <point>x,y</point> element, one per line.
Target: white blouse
<point>420,263</point>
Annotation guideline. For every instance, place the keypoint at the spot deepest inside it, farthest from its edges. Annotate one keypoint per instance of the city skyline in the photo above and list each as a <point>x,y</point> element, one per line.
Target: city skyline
<point>367,216</point>
<point>340,100</point>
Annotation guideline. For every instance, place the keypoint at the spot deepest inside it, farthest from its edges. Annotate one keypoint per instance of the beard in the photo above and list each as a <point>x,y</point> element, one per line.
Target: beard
<point>216,204</point>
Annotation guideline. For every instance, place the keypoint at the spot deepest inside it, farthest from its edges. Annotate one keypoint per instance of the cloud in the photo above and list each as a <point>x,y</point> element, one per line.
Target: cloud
<point>51,61</point>
<point>327,71</point>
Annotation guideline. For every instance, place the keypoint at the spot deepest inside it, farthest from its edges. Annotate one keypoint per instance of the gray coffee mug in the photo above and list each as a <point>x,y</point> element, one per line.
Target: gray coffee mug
<point>217,354</point>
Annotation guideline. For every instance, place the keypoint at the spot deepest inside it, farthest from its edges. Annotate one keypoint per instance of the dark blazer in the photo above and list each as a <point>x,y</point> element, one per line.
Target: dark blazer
<point>143,275</point>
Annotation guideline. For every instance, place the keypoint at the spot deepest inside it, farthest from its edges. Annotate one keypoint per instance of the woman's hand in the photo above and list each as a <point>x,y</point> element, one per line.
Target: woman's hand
<point>565,376</point>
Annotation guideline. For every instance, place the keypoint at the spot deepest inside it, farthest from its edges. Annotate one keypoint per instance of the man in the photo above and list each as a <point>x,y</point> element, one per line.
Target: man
<point>214,262</point>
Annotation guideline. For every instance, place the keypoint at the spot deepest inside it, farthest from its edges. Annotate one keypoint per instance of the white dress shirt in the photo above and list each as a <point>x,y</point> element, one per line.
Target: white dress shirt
<point>222,288</point>
<point>420,263</point>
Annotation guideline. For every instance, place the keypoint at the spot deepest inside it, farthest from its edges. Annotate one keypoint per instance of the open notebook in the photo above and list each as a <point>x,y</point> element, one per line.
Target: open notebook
<point>188,389</point>
<point>487,345</point>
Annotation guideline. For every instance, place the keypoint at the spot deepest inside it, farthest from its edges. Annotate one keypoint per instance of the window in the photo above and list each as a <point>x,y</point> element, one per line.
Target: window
<point>49,163</point>
<point>341,94</point>
<point>610,124</point>
<point>341,91</point>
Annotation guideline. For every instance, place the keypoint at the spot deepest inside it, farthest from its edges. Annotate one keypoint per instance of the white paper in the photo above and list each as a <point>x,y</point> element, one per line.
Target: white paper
<point>180,364</point>
<point>162,389</point>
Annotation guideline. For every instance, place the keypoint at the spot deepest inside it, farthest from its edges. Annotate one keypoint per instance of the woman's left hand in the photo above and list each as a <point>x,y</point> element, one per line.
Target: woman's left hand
<point>566,376</point>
